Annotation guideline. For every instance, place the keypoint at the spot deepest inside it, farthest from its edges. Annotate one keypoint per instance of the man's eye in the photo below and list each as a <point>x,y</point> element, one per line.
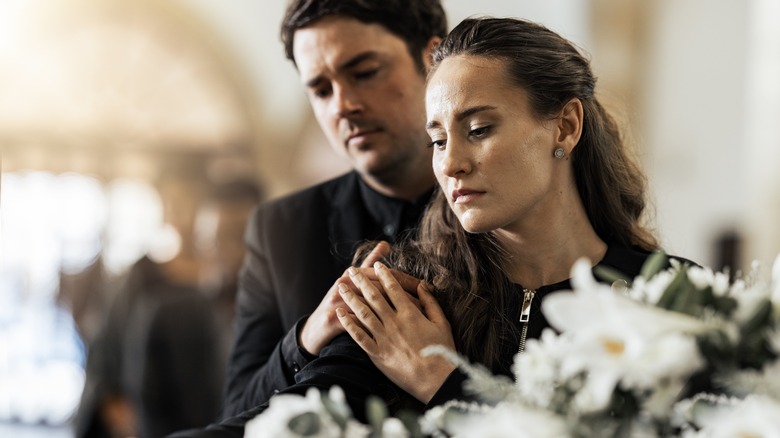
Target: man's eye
<point>321,92</point>
<point>366,74</point>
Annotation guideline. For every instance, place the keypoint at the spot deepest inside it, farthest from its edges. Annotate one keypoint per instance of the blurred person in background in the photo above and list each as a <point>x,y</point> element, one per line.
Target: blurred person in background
<point>363,64</point>
<point>157,363</point>
<point>219,231</point>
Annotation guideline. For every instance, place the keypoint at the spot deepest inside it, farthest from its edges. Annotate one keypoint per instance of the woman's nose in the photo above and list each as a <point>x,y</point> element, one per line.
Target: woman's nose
<point>455,160</point>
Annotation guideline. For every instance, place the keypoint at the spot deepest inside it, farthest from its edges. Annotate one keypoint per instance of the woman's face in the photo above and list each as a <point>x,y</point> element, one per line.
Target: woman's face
<point>492,156</point>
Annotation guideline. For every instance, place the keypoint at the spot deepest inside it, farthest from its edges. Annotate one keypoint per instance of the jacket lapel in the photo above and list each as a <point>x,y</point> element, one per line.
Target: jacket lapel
<point>346,225</point>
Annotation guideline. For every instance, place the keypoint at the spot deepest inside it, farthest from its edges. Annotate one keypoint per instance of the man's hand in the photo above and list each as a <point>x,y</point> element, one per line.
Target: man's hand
<point>323,325</point>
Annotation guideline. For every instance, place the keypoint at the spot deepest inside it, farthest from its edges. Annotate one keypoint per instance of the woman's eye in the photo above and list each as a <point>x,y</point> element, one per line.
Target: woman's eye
<point>479,132</point>
<point>438,144</point>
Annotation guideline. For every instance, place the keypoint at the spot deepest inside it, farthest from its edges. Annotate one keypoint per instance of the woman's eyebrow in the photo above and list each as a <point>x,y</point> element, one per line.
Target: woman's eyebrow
<point>463,114</point>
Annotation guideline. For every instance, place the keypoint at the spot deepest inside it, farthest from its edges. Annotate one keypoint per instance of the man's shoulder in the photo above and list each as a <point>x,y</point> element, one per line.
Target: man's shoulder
<point>307,205</point>
<point>316,196</point>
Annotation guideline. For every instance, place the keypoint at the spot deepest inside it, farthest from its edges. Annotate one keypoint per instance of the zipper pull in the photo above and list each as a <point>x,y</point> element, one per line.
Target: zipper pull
<point>525,311</point>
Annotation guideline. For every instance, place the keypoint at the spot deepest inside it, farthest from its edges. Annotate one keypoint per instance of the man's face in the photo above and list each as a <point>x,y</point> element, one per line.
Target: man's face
<point>367,93</point>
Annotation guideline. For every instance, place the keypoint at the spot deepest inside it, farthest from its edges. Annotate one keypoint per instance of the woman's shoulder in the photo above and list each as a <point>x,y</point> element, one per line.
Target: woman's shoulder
<point>629,260</point>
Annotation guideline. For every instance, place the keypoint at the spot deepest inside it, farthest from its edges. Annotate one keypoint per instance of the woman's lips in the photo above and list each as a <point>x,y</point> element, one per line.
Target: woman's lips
<point>463,196</point>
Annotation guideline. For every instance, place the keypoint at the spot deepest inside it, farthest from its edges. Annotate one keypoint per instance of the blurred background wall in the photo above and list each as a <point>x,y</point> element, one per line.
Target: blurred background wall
<point>103,100</point>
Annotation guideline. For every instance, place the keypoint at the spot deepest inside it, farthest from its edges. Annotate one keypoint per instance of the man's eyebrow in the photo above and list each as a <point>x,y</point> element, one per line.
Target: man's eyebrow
<point>351,62</point>
<point>462,114</point>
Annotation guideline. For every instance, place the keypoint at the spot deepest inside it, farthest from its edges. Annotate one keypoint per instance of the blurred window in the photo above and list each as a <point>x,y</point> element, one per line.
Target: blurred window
<point>52,224</point>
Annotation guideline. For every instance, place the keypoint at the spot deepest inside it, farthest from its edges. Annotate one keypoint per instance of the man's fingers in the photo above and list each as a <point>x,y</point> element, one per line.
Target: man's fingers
<point>407,282</point>
<point>380,250</point>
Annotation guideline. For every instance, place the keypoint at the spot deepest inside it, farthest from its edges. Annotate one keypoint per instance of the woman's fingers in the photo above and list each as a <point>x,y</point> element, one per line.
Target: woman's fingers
<point>399,298</point>
<point>356,331</point>
<point>372,294</point>
<point>430,306</point>
<point>363,313</point>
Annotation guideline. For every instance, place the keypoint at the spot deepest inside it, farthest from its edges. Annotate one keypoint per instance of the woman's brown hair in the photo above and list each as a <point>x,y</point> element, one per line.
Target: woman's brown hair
<point>467,269</point>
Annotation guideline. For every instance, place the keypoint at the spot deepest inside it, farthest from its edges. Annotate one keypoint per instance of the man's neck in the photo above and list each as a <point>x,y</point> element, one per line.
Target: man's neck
<point>405,187</point>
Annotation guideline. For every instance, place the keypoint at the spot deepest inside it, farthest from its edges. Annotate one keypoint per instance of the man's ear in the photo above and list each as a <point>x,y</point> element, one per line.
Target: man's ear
<point>569,125</point>
<point>428,52</point>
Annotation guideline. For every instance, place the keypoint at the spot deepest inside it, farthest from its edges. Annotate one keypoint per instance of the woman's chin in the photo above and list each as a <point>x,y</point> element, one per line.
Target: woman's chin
<point>475,227</point>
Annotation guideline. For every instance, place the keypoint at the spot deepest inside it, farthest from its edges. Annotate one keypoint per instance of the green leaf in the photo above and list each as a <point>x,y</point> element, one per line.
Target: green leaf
<point>671,296</point>
<point>338,413</point>
<point>725,305</point>
<point>761,319</point>
<point>754,349</point>
<point>610,275</point>
<point>305,424</point>
<point>411,422</point>
<point>691,300</point>
<point>717,349</point>
<point>376,412</point>
<point>654,264</point>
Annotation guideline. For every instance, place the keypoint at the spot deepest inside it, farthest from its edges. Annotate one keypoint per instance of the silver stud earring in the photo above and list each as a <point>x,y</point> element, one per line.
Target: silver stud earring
<point>559,153</point>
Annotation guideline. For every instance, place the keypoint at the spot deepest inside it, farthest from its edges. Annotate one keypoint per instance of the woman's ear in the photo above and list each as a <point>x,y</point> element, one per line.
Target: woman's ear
<point>428,52</point>
<point>570,125</point>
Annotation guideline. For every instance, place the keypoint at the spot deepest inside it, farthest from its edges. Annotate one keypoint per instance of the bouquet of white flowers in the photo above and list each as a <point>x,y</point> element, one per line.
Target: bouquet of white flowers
<point>681,352</point>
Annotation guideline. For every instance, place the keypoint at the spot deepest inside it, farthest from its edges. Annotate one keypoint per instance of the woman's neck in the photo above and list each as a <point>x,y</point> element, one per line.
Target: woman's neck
<point>542,252</point>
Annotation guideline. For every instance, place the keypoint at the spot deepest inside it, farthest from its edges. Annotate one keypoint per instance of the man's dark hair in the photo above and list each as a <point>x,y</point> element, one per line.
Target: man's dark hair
<point>414,21</point>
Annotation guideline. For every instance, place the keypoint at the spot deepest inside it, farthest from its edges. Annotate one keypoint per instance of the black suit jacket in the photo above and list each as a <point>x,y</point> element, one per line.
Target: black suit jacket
<point>345,364</point>
<point>297,246</point>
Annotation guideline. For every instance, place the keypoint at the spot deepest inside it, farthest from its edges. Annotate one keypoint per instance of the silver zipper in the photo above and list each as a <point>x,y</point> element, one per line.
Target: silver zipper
<point>525,315</point>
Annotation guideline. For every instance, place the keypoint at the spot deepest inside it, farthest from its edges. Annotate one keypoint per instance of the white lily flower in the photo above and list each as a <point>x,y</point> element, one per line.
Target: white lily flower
<point>661,360</point>
<point>703,277</point>
<point>393,428</point>
<point>754,417</point>
<point>774,340</point>
<point>511,420</point>
<point>747,302</point>
<point>283,408</point>
<point>650,291</point>
<point>537,369</point>
<point>451,417</point>
<point>615,338</point>
<point>775,282</point>
<point>760,382</point>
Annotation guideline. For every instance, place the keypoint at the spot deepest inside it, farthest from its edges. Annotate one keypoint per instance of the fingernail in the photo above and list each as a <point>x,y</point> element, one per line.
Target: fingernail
<point>352,271</point>
<point>340,312</point>
<point>343,288</point>
<point>379,265</point>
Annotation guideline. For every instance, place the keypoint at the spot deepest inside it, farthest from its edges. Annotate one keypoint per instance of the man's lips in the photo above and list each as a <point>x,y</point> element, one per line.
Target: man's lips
<point>462,196</point>
<point>360,136</point>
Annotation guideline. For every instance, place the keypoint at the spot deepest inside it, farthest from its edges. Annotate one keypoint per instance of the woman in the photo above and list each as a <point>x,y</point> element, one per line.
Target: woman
<point>533,176</point>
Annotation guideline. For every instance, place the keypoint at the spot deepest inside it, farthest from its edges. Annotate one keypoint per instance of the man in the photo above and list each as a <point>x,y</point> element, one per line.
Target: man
<point>363,64</point>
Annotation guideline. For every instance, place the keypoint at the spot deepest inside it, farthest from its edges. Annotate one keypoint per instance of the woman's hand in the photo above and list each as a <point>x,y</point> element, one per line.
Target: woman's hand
<point>393,328</point>
<point>323,325</point>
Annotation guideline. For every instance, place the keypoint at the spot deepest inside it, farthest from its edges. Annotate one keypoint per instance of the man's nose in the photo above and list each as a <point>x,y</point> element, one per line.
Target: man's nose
<point>346,101</point>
